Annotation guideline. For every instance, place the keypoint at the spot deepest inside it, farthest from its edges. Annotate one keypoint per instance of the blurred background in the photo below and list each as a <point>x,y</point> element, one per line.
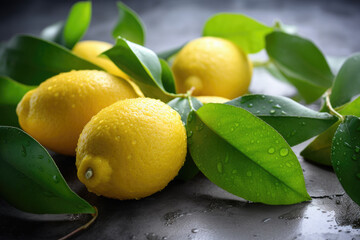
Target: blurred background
<point>332,24</point>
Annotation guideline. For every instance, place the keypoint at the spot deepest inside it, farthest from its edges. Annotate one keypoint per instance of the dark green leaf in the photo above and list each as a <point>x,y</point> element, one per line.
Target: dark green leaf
<point>168,54</point>
<point>129,25</point>
<point>347,82</point>
<point>30,180</point>
<point>301,62</point>
<point>167,77</point>
<point>182,106</point>
<point>345,156</point>
<point>292,120</point>
<point>142,65</point>
<point>244,31</point>
<point>189,170</point>
<point>69,33</point>
<point>30,60</point>
<point>11,93</point>
<point>319,149</point>
<point>245,156</point>
<point>77,23</point>
<point>275,72</point>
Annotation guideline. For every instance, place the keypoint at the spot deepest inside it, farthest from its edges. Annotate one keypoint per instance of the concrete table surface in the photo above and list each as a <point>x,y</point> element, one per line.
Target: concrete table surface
<point>198,209</point>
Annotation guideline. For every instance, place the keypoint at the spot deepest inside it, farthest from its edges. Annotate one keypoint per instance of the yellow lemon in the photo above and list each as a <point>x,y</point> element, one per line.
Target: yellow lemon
<point>131,149</point>
<point>91,50</point>
<point>214,66</point>
<point>212,99</point>
<point>56,112</point>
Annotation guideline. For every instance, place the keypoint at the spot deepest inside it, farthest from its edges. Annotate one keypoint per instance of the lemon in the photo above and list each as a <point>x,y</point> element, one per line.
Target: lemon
<point>214,66</point>
<point>91,50</point>
<point>56,112</point>
<point>212,99</point>
<point>131,149</point>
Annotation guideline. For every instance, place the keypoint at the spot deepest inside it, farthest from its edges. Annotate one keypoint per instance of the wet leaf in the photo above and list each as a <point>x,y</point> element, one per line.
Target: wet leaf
<point>301,62</point>
<point>30,180</point>
<point>292,120</point>
<point>11,93</point>
<point>69,33</point>
<point>30,60</point>
<point>129,25</point>
<point>245,156</point>
<point>319,149</point>
<point>347,82</point>
<point>345,156</point>
<point>167,77</point>
<point>244,31</point>
<point>189,170</point>
<point>142,65</point>
<point>182,106</point>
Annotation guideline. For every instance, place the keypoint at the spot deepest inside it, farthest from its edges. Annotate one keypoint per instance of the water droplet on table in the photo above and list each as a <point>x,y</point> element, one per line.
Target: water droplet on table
<point>194,230</point>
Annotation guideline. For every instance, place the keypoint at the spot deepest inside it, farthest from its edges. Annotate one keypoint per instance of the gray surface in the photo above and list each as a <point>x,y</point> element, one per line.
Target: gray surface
<point>199,209</point>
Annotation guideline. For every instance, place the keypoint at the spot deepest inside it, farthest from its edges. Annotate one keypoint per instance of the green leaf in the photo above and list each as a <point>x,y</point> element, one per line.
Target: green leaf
<point>129,25</point>
<point>245,156</point>
<point>77,23</point>
<point>142,65</point>
<point>345,156</point>
<point>69,33</point>
<point>319,149</point>
<point>11,93</point>
<point>275,72</point>
<point>292,120</point>
<point>30,60</point>
<point>30,179</point>
<point>301,62</point>
<point>167,77</point>
<point>347,82</point>
<point>244,31</point>
<point>182,106</point>
<point>189,170</point>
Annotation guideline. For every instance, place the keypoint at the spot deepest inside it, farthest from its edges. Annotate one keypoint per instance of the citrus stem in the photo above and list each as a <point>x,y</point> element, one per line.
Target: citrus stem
<point>83,227</point>
<point>332,110</point>
<point>261,63</point>
<point>188,96</point>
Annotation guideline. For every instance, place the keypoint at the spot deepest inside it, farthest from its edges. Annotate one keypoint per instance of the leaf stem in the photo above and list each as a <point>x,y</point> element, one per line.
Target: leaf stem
<point>332,110</point>
<point>83,227</point>
<point>188,96</point>
<point>261,63</point>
